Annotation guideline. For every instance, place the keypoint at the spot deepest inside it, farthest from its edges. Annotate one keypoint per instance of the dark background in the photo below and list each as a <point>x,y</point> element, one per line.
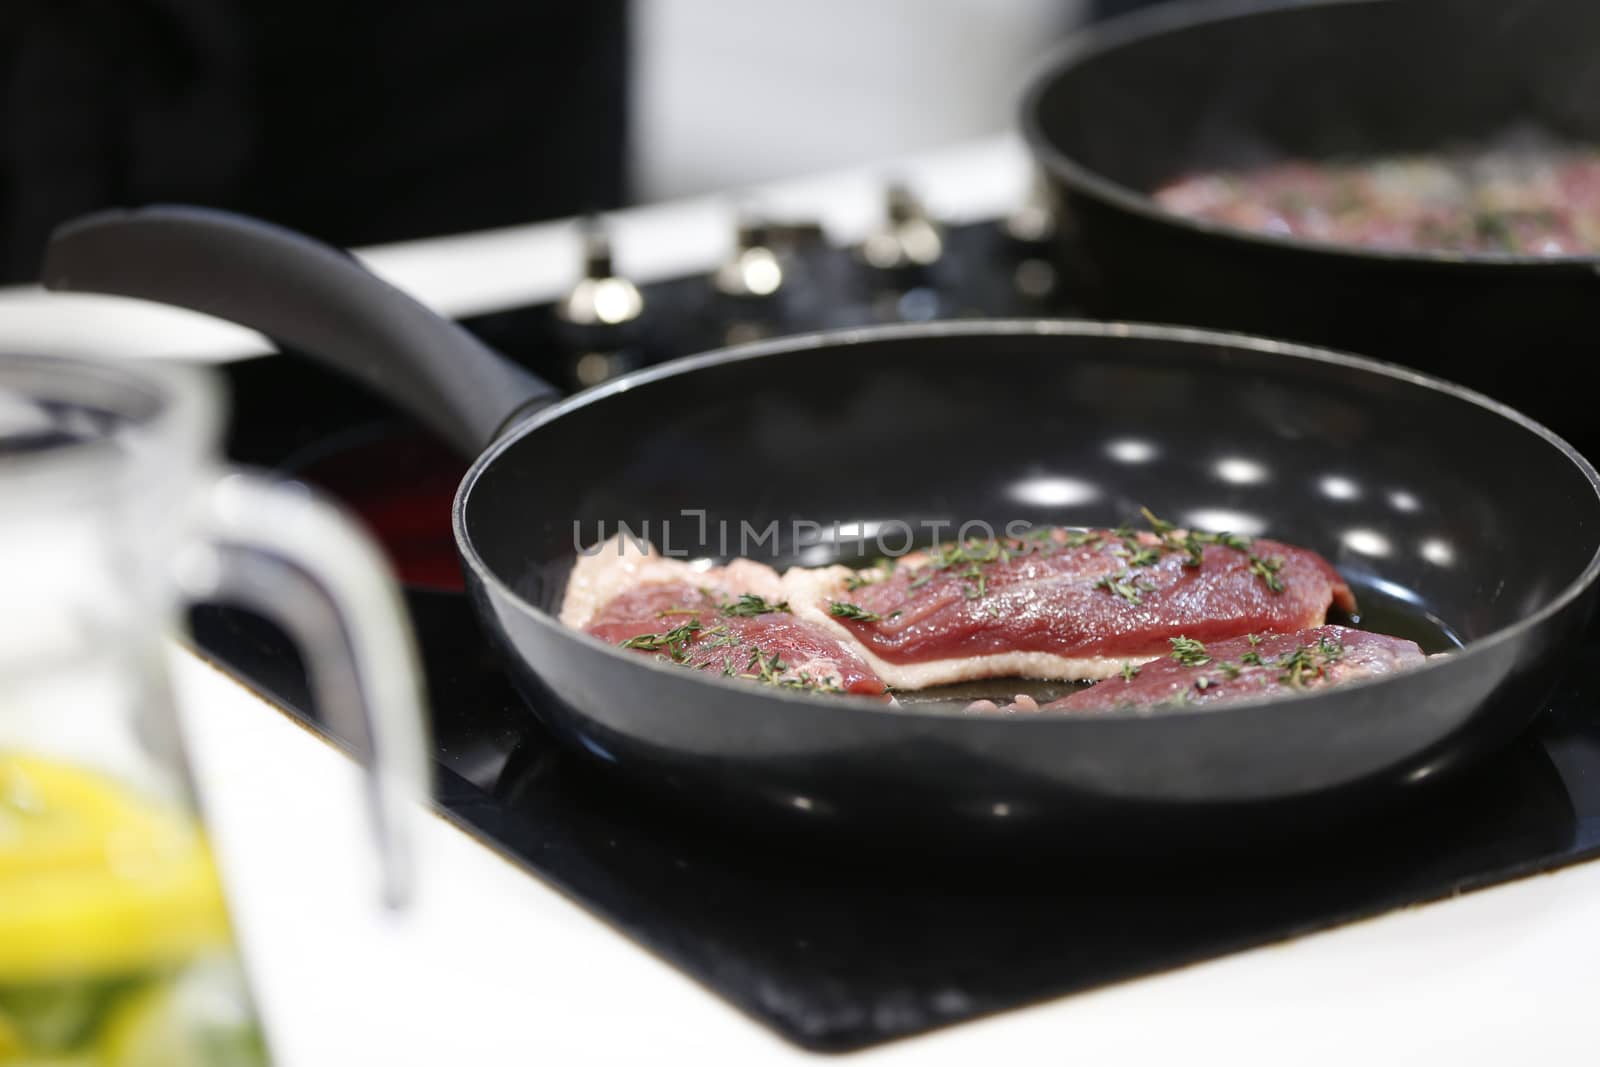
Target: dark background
<point>359,121</point>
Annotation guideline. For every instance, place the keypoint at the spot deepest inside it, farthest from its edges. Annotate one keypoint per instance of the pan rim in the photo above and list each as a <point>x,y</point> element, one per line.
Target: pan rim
<point>1571,592</point>
<point>1115,33</point>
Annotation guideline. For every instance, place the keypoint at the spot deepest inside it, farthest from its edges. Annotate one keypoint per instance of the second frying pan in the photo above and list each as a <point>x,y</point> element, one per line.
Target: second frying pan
<point>1436,503</point>
<point>1129,105</point>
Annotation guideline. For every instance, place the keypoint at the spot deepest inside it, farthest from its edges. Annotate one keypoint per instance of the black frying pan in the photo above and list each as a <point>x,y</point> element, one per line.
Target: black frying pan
<point>1434,502</point>
<point>1134,103</point>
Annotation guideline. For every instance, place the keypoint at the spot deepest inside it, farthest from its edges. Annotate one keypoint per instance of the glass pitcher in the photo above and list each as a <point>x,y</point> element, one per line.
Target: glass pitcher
<point>115,945</point>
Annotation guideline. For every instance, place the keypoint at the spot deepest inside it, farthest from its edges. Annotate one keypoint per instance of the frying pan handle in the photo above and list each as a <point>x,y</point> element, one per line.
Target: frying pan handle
<point>308,295</point>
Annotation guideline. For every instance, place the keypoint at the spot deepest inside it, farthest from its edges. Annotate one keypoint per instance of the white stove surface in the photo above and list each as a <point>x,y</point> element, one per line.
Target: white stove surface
<point>493,270</point>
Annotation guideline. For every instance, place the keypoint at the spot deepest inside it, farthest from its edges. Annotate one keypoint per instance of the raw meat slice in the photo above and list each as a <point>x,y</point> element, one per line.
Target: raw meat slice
<point>731,620</point>
<point>1061,604</point>
<point>1058,604</point>
<point>1241,668</point>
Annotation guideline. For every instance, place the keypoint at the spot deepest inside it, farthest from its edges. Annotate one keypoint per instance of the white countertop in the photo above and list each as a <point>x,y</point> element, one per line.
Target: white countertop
<point>493,966</point>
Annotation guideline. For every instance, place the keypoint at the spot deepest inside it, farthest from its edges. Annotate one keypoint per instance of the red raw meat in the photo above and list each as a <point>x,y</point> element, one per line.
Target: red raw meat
<point>721,630</point>
<point>1246,667</point>
<point>1101,596</point>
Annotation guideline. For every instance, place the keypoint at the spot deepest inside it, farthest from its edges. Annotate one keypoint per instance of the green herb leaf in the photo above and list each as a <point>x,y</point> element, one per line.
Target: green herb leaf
<point>1143,555</point>
<point>675,641</point>
<point>841,610</point>
<point>1267,571</point>
<point>1130,671</point>
<point>1297,666</point>
<point>1160,526</point>
<point>1189,652</point>
<point>1121,585</point>
<point>750,605</point>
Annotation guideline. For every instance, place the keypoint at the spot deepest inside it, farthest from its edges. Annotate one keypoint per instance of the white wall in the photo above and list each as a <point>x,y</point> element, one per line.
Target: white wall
<point>729,92</point>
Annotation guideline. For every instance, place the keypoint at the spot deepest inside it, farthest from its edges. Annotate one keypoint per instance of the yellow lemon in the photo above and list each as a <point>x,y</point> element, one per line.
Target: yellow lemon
<point>97,879</point>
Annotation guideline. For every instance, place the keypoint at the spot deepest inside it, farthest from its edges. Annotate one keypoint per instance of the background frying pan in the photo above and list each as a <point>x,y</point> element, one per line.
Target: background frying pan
<point>1132,104</point>
<point>1431,500</point>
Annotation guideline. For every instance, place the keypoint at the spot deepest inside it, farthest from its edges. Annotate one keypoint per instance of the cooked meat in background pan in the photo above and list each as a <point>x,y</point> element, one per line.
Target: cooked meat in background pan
<point>1538,200</point>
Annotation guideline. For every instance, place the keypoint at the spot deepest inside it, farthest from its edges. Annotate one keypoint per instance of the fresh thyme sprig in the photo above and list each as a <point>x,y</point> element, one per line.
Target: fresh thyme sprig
<point>1123,584</point>
<point>1189,652</point>
<point>839,609</point>
<point>769,670</point>
<point>676,640</point>
<point>718,637</point>
<point>1138,555</point>
<point>974,552</point>
<point>1296,669</point>
<point>1193,543</point>
<point>1296,666</point>
<point>1161,526</point>
<point>750,605</point>
<point>1267,571</point>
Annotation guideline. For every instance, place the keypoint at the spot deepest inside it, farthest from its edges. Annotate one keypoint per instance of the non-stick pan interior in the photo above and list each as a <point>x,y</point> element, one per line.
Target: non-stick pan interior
<point>1415,492</point>
<point>1322,79</point>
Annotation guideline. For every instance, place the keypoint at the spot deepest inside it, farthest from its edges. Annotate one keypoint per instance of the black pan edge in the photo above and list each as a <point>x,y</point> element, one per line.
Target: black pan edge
<point>1005,327</point>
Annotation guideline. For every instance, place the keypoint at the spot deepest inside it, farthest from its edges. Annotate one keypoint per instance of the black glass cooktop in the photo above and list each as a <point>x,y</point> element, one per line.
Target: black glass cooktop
<point>834,945</point>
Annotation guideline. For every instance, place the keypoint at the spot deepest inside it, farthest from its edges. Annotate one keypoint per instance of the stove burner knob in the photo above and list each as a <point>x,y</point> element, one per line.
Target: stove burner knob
<point>909,239</point>
<point>755,270</point>
<point>598,321</point>
<point>601,297</point>
<point>1034,223</point>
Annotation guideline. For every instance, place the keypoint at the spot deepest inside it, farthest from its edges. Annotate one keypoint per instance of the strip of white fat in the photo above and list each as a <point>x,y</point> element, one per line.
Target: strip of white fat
<point>809,591</point>
<point>620,563</point>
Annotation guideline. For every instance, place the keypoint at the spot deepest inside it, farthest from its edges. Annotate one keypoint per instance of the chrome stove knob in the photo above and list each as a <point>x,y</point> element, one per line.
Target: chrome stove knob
<point>601,297</point>
<point>755,269</point>
<point>909,238</point>
<point>599,315</point>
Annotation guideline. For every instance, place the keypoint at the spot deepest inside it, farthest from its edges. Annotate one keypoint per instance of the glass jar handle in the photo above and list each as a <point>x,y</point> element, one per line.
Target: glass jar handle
<point>280,548</point>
